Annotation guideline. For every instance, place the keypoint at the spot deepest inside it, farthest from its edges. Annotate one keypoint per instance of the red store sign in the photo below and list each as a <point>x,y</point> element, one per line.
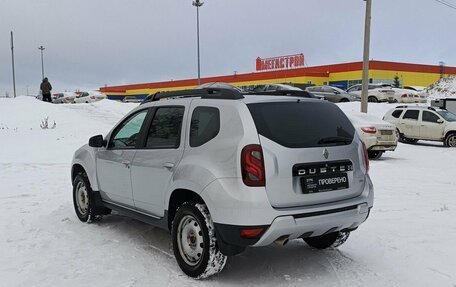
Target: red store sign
<point>280,63</point>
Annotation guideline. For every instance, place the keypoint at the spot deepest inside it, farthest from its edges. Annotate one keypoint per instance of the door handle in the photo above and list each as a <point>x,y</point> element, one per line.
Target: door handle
<point>168,165</point>
<point>126,163</point>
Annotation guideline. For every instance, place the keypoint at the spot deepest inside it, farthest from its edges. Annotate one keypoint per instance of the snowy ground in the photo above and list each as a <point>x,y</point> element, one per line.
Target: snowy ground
<point>409,240</point>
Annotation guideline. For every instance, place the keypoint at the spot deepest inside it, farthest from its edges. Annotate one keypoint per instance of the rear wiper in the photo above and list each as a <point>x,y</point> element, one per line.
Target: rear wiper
<point>330,140</point>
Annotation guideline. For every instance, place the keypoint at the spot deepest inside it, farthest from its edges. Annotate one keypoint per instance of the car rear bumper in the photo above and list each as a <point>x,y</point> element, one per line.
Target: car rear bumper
<point>309,225</point>
<point>291,222</point>
<point>383,147</point>
<point>377,143</point>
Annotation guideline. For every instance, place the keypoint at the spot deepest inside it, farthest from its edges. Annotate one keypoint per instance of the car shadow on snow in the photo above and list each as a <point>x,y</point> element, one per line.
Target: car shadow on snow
<point>294,263</point>
<point>426,144</point>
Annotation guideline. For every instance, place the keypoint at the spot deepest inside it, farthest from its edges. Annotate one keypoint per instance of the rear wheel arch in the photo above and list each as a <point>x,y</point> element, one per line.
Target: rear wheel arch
<point>372,99</point>
<point>179,197</point>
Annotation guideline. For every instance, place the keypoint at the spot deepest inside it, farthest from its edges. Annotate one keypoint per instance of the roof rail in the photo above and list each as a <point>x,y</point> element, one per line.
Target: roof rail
<point>205,93</point>
<point>289,93</point>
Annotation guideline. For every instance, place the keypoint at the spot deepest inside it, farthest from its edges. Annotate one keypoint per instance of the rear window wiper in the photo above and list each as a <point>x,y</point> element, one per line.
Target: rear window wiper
<point>330,140</point>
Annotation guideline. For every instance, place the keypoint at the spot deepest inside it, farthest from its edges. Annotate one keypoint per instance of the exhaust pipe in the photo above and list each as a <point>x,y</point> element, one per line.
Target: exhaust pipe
<point>282,240</point>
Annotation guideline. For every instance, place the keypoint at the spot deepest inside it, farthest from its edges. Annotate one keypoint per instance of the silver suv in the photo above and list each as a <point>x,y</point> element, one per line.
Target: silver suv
<point>224,171</point>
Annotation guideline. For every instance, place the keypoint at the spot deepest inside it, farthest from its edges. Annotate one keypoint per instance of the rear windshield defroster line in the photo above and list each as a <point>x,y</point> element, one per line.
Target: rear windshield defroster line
<point>302,124</point>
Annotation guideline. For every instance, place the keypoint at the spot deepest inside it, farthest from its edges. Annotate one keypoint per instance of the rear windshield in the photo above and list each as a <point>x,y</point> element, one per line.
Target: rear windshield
<point>302,124</point>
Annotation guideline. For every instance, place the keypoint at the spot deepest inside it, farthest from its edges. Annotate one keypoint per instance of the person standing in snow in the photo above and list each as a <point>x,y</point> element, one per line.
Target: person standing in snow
<point>46,89</point>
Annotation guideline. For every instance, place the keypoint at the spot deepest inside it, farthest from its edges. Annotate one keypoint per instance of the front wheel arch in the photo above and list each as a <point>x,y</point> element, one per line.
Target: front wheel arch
<point>447,138</point>
<point>75,170</point>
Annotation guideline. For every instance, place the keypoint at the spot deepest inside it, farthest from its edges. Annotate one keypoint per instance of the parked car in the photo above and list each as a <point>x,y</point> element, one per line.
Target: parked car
<point>64,98</point>
<point>275,87</point>
<point>88,97</point>
<point>284,90</point>
<point>131,99</point>
<point>333,94</point>
<point>421,91</point>
<point>423,123</point>
<point>376,93</point>
<point>379,136</point>
<point>223,171</point>
<point>405,95</point>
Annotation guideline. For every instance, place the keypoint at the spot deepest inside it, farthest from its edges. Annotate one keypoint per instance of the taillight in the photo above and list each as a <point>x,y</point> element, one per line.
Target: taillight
<point>404,96</point>
<point>251,233</point>
<point>366,158</point>
<point>369,130</point>
<point>252,165</point>
<point>92,97</point>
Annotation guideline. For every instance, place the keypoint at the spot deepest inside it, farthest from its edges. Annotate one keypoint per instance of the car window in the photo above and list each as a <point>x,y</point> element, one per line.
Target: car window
<point>126,134</point>
<point>302,124</point>
<point>430,117</point>
<point>205,125</point>
<point>397,113</point>
<point>411,115</point>
<point>354,89</point>
<point>450,117</point>
<point>328,90</point>
<point>165,129</point>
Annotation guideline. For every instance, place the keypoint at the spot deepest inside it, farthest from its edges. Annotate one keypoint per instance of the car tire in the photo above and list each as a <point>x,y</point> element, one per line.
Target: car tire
<point>332,240</point>
<point>194,242</point>
<point>372,99</point>
<point>374,154</point>
<point>83,200</point>
<point>344,100</point>
<point>450,140</point>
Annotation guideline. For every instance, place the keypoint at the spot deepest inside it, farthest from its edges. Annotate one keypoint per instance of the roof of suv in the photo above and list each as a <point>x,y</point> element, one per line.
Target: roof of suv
<point>419,107</point>
<point>230,94</point>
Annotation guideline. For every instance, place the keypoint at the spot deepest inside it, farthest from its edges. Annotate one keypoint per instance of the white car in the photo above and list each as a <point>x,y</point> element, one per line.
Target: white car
<point>63,98</point>
<point>379,136</point>
<point>376,93</point>
<point>88,97</point>
<point>421,91</point>
<point>405,96</point>
<point>423,123</point>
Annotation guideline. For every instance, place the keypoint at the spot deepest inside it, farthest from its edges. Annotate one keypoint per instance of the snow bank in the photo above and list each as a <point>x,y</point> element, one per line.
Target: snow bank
<point>444,88</point>
<point>20,131</point>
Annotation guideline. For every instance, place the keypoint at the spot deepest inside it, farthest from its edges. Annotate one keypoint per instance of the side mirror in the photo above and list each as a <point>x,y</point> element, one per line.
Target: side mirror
<point>337,92</point>
<point>440,121</point>
<point>97,141</point>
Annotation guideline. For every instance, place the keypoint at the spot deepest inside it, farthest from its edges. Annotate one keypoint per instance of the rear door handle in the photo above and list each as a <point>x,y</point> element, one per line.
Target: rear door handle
<point>168,165</point>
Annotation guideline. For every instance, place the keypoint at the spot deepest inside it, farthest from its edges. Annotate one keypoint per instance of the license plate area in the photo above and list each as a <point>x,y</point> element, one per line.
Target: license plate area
<point>386,132</point>
<point>323,176</point>
<point>323,183</point>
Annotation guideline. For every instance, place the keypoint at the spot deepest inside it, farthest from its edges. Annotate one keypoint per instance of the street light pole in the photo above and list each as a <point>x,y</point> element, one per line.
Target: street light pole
<point>12,62</point>
<point>197,4</point>
<point>364,92</point>
<point>41,48</point>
